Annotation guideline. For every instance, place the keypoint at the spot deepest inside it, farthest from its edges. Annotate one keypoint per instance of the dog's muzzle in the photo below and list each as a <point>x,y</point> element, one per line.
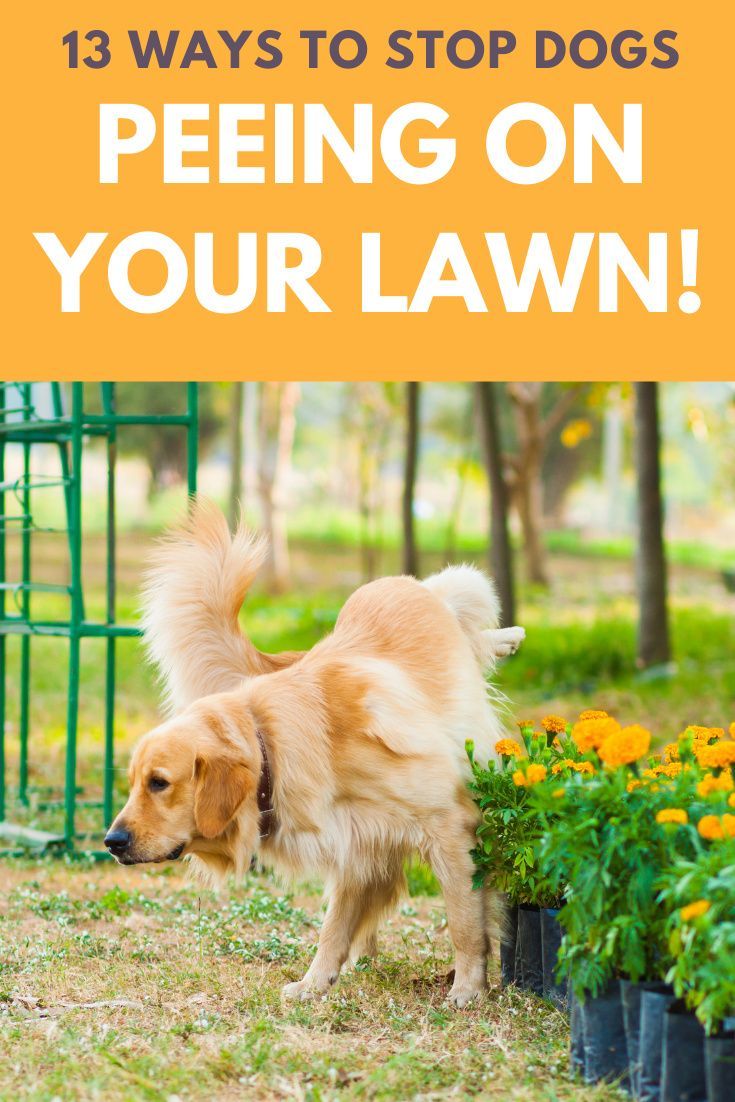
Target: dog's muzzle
<point>119,843</point>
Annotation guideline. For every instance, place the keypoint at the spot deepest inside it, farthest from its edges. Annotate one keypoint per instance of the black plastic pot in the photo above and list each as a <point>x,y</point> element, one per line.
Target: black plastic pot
<point>530,975</point>
<point>682,1061</point>
<point>576,1046</point>
<point>654,1003</point>
<point>605,1051</point>
<point>631,995</point>
<point>719,1067</point>
<point>508,943</point>
<point>551,935</point>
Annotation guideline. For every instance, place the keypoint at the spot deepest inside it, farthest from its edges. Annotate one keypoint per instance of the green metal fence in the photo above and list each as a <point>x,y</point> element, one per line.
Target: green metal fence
<point>64,426</point>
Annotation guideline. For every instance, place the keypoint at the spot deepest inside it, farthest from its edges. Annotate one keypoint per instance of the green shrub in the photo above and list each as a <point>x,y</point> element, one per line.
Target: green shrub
<point>700,893</point>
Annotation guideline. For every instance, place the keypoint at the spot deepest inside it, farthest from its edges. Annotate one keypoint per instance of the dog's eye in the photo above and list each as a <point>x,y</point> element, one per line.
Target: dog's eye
<point>157,784</point>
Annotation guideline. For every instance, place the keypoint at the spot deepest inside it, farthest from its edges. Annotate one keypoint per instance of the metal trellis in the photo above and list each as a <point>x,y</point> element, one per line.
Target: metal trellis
<point>64,427</point>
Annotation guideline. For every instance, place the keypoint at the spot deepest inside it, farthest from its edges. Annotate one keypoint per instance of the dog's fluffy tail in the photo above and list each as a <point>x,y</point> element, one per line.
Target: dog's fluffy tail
<point>195,585</point>
<point>471,596</point>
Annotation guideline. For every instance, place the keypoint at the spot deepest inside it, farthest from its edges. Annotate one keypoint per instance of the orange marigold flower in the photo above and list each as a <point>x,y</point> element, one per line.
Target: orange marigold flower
<point>731,800</point>
<point>710,828</point>
<point>632,785</point>
<point>710,783</point>
<point>592,713</point>
<point>671,751</point>
<point>717,732</point>
<point>508,748</point>
<point>694,910</point>
<point>731,729</point>
<point>588,734</point>
<point>519,778</point>
<point>671,769</point>
<point>674,815</point>
<point>535,773</point>
<point>695,732</point>
<point>719,756</point>
<point>577,766</point>
<point>627,745</point>
<point>554,724</point>
<point>728,825</point>
<point>583,766</point>
<point>523,723</point>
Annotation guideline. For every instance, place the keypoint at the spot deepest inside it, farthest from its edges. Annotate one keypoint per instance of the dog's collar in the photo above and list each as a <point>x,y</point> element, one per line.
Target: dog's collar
<point>267,820</point>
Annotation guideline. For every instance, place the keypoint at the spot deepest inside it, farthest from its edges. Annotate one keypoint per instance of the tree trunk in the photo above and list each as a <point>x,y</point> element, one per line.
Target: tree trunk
<point>527,487</point>
<point>236,433</point>
<point>612,460</point>
<point>276,436</point>
<point>500,554</point>
<point>653,624</point>
<point>410,555</point>
<point>250,442</point>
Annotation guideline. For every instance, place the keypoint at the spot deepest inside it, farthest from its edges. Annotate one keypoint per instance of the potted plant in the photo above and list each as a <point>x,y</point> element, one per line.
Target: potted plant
<point>700,893</point>
<point>508,838</point>
<point>604,847</point>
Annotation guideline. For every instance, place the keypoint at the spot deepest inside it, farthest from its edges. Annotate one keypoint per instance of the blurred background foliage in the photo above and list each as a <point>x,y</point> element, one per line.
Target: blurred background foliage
<point>354,480</point>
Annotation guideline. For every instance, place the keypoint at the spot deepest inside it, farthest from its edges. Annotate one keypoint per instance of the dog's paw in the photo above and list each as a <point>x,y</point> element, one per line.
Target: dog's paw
<point>463,994</point>
<point>508,640</point>
<point>300,991</point>
<point>310,987</point>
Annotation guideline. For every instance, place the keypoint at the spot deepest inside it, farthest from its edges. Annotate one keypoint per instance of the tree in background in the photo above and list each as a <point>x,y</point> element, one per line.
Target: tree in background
<point>276,430</point>
<point>369,415</point>
<point>500,554</point>
<point>465,466</point>
<point>410,555</point>
<point>164,448</point>
<point>653,621</point>
<point>237,391</point>
<point>535,423</point>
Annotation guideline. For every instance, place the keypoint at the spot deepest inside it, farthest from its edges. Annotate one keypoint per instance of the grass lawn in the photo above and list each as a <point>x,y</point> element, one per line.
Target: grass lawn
<point>129,984</point>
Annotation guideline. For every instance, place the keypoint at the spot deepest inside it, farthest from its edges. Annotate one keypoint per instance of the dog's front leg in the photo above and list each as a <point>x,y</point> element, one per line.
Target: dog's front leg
<point>345,908</point>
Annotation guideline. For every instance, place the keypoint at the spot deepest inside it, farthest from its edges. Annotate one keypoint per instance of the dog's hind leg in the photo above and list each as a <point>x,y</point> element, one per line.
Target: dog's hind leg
<point>450,857</point>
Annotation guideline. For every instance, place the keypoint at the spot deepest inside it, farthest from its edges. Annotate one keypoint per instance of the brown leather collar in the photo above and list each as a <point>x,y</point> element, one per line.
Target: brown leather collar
<point>265,791</point>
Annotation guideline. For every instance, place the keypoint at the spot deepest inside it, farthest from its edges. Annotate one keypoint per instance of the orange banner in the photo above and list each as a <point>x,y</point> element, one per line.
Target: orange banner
<point>425,192</point>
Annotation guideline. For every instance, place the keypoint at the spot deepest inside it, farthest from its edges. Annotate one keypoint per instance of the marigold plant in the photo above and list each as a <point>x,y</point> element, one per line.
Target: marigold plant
<point>588,734</point>
<point>695,910</point>
<point>508,748</point>
<point>719,756</point>
<point>625,746</point>
<point>555,725</point>
<point>713,782</point>
<point>672,815</point>
<point>710,827</point>
<point>699,892</point>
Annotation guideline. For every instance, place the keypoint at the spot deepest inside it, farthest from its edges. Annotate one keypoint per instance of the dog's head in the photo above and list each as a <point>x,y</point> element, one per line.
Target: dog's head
<point>191,780</point>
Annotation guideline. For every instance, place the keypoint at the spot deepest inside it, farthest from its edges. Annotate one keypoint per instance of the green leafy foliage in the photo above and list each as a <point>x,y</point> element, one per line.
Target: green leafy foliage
<point>509,834</point>
<point>604,849</point>
<point>702,947</point>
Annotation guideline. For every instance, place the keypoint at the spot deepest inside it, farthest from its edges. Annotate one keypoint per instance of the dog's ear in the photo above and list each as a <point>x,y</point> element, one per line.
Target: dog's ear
<point>223,781</point>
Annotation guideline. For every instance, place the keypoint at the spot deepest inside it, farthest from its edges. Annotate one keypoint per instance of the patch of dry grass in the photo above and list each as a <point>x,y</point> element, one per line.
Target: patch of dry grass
<point>130,984</point>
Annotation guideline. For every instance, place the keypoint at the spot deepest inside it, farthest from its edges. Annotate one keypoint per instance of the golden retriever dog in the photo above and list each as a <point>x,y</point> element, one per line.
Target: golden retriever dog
<point>343,761</point>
